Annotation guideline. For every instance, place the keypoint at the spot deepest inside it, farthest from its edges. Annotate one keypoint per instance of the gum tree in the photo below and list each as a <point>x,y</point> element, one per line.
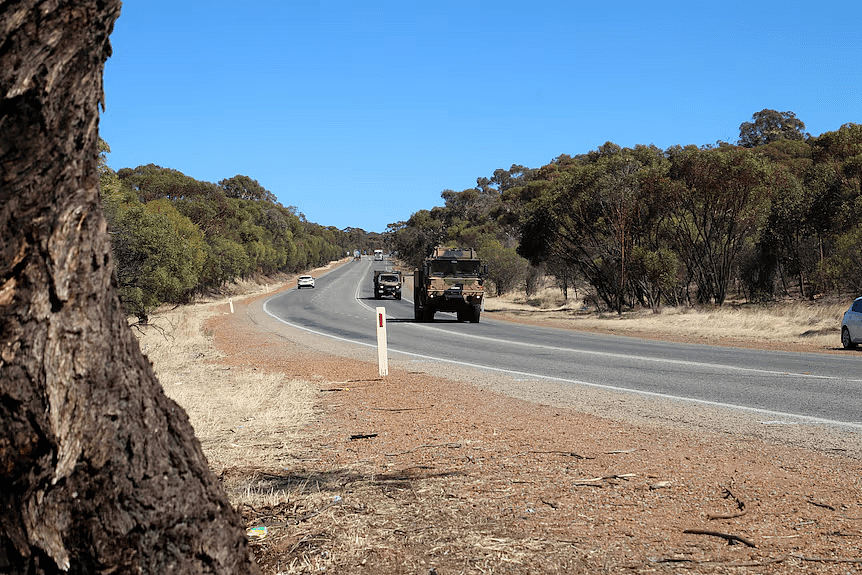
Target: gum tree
<point>99,471</point>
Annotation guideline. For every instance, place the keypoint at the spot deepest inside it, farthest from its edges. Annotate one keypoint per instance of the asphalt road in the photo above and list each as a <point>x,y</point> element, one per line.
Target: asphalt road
<point>814,387</point>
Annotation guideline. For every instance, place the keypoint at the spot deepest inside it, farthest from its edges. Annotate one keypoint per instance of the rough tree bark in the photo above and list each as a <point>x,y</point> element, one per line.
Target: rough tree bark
<point>99,471</point>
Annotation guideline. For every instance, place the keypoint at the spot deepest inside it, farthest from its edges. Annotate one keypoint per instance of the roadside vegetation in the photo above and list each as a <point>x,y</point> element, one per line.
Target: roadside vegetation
<point>774,216</point>
<point>257,429</point>
<point>243,417</point>
<point>266,413</point>
<point>802,325</point>
<point>175,238</point>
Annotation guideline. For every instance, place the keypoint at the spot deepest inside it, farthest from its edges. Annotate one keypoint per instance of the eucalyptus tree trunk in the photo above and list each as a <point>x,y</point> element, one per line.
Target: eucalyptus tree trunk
<point>99,471</point>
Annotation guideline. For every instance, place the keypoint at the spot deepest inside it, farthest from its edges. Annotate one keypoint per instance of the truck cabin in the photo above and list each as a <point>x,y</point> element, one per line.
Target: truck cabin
<point>454,268</point>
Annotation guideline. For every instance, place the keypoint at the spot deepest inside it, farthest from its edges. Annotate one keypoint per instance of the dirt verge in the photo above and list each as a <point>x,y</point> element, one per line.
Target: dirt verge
<point>469,473</point>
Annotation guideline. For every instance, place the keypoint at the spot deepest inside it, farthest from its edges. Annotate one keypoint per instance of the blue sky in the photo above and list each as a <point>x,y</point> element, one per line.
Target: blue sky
<point>362,113</point>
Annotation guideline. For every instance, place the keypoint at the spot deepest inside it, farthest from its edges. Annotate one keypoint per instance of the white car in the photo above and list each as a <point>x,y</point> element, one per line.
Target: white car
<point>304,281</point>
<point>851,325</point>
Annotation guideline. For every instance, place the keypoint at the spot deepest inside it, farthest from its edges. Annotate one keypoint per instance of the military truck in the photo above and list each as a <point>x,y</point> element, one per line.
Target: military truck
<point>450,279</point>
<point>387,283</point>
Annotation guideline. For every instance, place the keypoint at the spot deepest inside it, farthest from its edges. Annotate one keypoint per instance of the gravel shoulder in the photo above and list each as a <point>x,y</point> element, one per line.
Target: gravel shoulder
<point>441,469</point>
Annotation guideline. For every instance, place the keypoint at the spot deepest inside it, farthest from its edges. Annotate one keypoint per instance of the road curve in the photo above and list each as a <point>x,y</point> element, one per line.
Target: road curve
<point>820,388</point>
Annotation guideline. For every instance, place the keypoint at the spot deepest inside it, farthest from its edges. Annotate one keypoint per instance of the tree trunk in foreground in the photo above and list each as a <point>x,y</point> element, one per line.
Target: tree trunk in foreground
<point>99,471</point>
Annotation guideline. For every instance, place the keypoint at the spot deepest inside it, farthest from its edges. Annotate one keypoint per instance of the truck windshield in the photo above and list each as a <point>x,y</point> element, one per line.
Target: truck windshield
<point>455,268</point>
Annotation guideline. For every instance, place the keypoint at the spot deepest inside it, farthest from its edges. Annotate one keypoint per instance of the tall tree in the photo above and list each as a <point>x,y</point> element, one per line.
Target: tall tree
<point>99,471</point>
<point>768,126</point>
<point>718,203</point>
<point>246,188</point>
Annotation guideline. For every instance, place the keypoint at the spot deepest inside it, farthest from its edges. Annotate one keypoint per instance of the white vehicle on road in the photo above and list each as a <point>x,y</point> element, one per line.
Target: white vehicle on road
<point>304,281</point>
<point>851,325</point>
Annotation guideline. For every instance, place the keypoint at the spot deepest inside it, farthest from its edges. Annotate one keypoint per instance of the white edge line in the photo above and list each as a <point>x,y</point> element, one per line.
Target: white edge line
<point>615,355</point>
<point>805,418</point>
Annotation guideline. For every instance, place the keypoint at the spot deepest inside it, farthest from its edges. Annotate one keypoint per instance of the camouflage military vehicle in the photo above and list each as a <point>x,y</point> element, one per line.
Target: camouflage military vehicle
<point>387,283</point>
<point>450,279</point>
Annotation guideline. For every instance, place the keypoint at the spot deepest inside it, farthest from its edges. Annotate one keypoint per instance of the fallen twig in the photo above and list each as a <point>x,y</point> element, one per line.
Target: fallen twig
<point>362,436</point>
<point>728,494</point>
<point>823,505</point>
<point>827,559</point>
<point>740,505</point>
<point>731,539</point>
<point>308,516</point>
<point>568,453</point>
<point>401,408</point>
<point>447,445</point>
<point>624,476</point>
<point>712,517</point>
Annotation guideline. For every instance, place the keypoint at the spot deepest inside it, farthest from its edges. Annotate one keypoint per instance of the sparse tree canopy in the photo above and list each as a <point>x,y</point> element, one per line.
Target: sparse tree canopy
<point>245,188</point>
<point>769,126</point>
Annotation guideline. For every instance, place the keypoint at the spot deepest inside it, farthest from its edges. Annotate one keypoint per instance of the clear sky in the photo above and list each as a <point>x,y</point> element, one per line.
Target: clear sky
<point>362,113</point>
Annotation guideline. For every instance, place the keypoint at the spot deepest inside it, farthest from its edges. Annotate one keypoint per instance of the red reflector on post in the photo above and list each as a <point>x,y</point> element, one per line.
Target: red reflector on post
<point>380,319</point>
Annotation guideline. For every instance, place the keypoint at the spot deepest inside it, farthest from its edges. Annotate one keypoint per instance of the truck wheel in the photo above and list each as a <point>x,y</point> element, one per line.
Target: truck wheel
<point>417,313</point>
<point>462,315</point>
<point>428,315</point>
<point>376,295</point>
<point>474,317</point>
<point>398,295</point>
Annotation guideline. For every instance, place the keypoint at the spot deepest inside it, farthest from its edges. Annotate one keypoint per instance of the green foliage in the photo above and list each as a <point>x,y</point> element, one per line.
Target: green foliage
<point>506,269</point>
<point>843,269</point>
<point>769,126</point>
<point>655,275</point>
<point>720,203</point>
<point>174,236</point>
<point>152,182</point>
<point>643,226</point>
<point>226,260</point>
<point>415,239</point>
<point>159,255</point>
<point>246,188</point>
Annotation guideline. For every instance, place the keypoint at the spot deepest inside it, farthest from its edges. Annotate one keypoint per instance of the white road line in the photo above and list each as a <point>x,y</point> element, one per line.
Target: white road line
<point>778,414</point>
<point>610,355</point>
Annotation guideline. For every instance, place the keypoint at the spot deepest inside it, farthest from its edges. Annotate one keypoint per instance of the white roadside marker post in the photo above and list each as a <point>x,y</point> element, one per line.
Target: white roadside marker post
<point>230,301</point>
<point>382,357</point>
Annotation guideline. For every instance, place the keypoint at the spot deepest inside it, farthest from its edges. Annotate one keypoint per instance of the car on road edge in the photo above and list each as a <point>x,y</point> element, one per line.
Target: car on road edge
<point>304,281</point>
<point>851,325</point>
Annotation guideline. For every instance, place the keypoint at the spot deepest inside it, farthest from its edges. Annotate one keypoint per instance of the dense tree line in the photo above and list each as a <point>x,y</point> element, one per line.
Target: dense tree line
<point>174,237</point>
<point>777,213</point>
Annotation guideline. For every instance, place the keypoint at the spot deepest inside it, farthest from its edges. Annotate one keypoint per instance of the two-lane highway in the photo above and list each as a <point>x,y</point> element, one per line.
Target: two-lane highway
<point>814,387</point>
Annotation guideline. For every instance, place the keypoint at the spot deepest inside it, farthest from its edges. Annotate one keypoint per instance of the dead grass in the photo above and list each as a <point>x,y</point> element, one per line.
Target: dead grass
<point>242,416</point>
<point>464,481</point>
<point>811,323</point>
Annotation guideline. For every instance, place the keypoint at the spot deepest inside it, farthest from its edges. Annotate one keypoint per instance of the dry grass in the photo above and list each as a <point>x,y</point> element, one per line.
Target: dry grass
<point>447,499</point>
<point>812,323</point>
<point>242,417</point>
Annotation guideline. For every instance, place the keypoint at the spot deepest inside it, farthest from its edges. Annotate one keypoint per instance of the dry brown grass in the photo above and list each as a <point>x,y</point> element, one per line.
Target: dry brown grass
<point>242,417</point>
<point>811,323</point>
<point>472,506</point>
